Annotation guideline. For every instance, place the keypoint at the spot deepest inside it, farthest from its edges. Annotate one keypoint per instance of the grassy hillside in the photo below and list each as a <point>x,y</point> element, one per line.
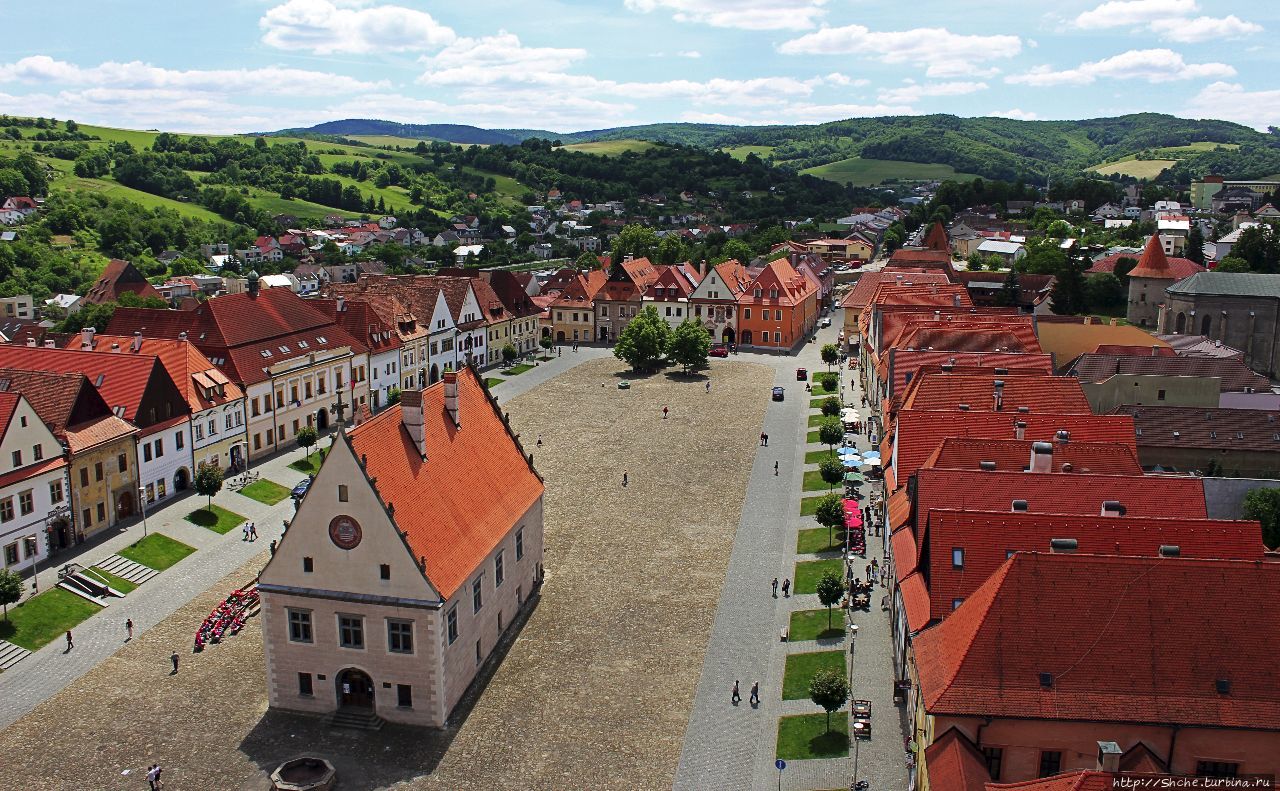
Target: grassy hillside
<point>1138,168</point>
<point>609,148</point>
<point>741,152</point>
<point>109,186</point>
<point>867,172</point>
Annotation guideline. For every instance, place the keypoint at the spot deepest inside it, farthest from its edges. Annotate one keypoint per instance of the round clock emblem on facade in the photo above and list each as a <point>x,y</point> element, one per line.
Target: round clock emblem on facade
<point>344,532</point>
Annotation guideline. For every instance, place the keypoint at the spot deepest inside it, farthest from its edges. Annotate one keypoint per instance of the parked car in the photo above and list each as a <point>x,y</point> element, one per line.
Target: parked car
<point>300,490</point>
<point>826,322</point>
<point>719,350</point>
<point>779,394</point>
<point>802,374</point>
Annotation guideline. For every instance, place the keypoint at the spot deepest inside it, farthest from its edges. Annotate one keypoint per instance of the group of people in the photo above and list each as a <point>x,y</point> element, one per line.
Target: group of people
<point>153,777</point>
<point>250,531</point>
<point>736,697</point>
<point>786,588</point>
<point>226,618</point>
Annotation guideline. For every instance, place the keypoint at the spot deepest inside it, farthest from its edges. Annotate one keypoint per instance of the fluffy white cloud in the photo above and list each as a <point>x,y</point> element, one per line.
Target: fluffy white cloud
<point>1204,28</point>
<point>1231,102</point>
<point>690,53</point>
<point>943,53</point>
<point>908,94</point>
<point>799,113</point>
<point>743,14</point>
<point>324,27</point>
<point>1152,65</point>
<point>271,80</point>
<point>1117,13</point>
<point>1015,113</point>
<point>499,58</point>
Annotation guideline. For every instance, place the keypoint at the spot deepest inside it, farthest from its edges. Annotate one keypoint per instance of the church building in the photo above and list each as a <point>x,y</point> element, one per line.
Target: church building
<point>417,546</point>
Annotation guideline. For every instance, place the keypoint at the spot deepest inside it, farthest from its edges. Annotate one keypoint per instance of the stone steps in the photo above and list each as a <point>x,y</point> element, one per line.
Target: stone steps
<point>11,654</point>
<point>127,569</point>
<point>357,720</point>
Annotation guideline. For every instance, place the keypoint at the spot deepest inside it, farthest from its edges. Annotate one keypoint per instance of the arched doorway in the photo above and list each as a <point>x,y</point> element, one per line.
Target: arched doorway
<point>1180,323</point>
<point>237,457</point>
<point>355,689</point>
<point>1206,324</point>
<point>729,335</point>
<point>546,332</point>
<point>124,505</point>
<point>322,419</point>
<point>181,479</point>
<point>435,374</point>
<point>59,534</point>
<point>746,337</point>
<point>560,336</point>
<point>604,333</point>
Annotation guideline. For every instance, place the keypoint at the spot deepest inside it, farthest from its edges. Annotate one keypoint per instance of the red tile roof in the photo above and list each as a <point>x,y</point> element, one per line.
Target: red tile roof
<point>917,257</point>
<point>945,392</point>
<point>122,379</point>
<point>467,495</point>
<point>918,433</point>
<point>60,399</point>
<point>915,599</point>
<point>99,431</point>
<point>117,278</point>
<point>900,363</point>
<point>954,763</point>
<point>1235,375</point>
<point>937,240</point>
<point>865,288</point>
<point>967,453</point>
<point>988,536</point>
<point>793,286</point>
<point>189,369</point>
<point>1178,268</point>
<point>362,321</point>
<point>1083,780</point>
<point>1118,640</point>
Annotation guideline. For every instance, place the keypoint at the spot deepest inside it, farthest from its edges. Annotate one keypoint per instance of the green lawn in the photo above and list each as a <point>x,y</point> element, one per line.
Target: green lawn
<point>265,492</point>
<point>812,438</point>
<point>157,551</point>
<point>490,381</point>
<point>818,456</point>
<point>219,520</point>
<point>866,172</point>
<point>809,505</point>
<point>817,402</point>
<point>802,667</point>
<point>821,389</point>
<point>1137,168</point>
<point>44,618</point>
<point>806,736</point>
<point>813,482</point>
<point>815,539</point>
<point>810,571</point>
<point>119,583</point>
<point>311,463</point>
<point>517,369</point>
<point>812,625</point>
<point>741,152</point>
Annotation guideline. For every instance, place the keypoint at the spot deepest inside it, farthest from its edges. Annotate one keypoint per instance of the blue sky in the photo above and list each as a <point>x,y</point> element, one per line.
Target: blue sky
<point>565,65</point>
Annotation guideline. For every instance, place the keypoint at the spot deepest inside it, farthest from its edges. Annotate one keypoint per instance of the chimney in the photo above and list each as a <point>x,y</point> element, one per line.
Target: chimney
<point>1155,352</point>
<point>341,303</point>
<point>1109,757</point>
<point>955,300</point>
<point>1170,551</point>
<point>31,341</point>
<point>1063,546</point>
<point>451,396</point>
<point>999,393</point>
<point>411,416</point>
<point>1066,467</point>
<point>182,336</point>
<point>115,347</point>
<point>1041,457</point>
<point>1112,508</point>
<point>86,337</point>
<point>136,346</point>
<point>1020,429</point>
<point>49,344</point>
<point>1019,507</point>
<point>1063,436</point>
<point>702,269</point>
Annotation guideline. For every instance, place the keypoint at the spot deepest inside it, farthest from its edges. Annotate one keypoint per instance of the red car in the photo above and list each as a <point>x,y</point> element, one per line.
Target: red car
<point>802,374</point>
<point>719,350</point>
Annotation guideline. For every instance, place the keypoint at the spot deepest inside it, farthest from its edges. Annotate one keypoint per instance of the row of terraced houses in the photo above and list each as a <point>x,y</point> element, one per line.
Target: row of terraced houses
<point>1061,615</point>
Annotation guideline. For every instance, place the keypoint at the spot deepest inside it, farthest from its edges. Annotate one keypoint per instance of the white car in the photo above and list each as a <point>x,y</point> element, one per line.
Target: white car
<point>826,322</point>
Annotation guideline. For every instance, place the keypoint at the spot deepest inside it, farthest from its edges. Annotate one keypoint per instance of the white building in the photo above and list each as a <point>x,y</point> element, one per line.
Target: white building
<point>34,487</point>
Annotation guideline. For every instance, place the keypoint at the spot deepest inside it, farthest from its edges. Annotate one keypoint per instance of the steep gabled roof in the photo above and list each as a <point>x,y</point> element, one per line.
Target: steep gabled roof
<point>1114,640</point>
<point>946,392</point>
<point>937,240</point>
<point>967,453</point>
<point>1153,262</point>
<point>117,278</point>
<point>122,379</point>
<point>475,484</point>
<point>189,369</point>
<point>954,763</point>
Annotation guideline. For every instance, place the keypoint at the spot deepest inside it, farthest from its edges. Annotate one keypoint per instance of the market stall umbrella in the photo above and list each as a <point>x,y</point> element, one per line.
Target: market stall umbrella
<point>850,461</point>
<point>848,453</point>
<point>848,413</point>
<point>869,463</point>
<point>853,477</point>
<point>871,454</point>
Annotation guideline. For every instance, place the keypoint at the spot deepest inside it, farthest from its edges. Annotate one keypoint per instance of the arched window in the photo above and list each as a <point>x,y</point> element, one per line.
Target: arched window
<point>1206,324</point>
<point>1180,324</point>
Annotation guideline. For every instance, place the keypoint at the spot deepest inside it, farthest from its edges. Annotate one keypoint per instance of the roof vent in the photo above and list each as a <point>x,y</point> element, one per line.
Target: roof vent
<point>1024,409</point>
<point>1046,680</point>
<point>1063,545</point>
<point>1066,467</point>
<point>1109,754</point>
<point>1113,508</point>
<point>1223,685</point>
<point>1019,506</point>
<point>986,465</point>
<point>963,407</point>
<point>1062,435</point>
<point>1170,550</point>
<point>947,368</point>
<point>1001,371</point>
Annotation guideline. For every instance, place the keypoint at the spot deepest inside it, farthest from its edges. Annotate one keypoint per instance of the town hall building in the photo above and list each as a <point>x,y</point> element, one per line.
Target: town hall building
<point>416,548</point>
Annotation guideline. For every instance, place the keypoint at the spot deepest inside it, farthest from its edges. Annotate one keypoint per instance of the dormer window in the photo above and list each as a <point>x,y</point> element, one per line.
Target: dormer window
<point>773,293</point>
<point>758,293</point>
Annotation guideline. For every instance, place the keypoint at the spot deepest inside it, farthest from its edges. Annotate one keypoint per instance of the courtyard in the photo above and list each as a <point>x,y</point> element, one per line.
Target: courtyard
<point>595,692</point>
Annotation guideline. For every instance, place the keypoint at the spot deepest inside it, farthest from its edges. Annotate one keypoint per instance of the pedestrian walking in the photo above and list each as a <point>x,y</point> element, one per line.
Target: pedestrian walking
<point>70,643</point>
<point>755,694</point>
<point>786,587</point>
<point>174,659</point>
<point>539,440</point>
<point>253,532</point>
<point>153,777</point>
<point>708,385</point>
<point>244,530</point>
<point>128,629</point>
<point>775,587</point>
<point>664,413</point>
<point>624,478</point>
<point>273,546</point>
<point>766,440</point>
<point>159,782</point>
<point>762,438</point>
<point>736,697</point>
<point>868,572</point>
<point>775,469</point>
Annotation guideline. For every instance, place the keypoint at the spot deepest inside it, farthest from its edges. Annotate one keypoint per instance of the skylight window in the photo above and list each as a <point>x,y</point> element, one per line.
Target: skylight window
<point>284,349</point>
<point>266,352</point>
<point>98,382</point>
<point>302,344</point>
<point>321,339</point>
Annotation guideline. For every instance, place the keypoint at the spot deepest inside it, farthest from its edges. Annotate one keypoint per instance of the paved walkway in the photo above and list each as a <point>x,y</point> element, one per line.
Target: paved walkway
<point>727,747</point>
<point>47,671</point>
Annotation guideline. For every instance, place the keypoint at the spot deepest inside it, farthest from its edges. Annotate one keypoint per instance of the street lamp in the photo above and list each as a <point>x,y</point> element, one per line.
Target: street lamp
<point>853,639</point>
<point>142,498</point>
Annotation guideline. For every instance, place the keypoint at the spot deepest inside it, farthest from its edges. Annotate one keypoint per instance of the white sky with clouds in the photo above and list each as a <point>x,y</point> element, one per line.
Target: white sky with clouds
<point>567,65</point>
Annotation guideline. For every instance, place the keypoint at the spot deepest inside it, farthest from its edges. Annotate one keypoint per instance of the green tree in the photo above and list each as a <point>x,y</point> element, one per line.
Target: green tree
<point>976,262</point>
<point>689,344</point>
<point>546,342</point>
<point>1264,506</point>
<point>1069,297</point>
<point>509,354</point>
<point>830,354</point>
<point>1007,296</point>
<point>832,471</point>
<point>672,249</point>
<point>587,261</point>
<point>738,250</point>
<point>306,438</point>
<point>636,240</point>
<point>830,514</point>
<point>830,432</point>
<point>643,341</point>
<point>10,589</point>
<point>393,396</point>
<point>830,590</point>
<point>829,689</point>
<point>1104,292</point>
<point>208,482</point>
<point>1232,264</point>
<point>830,406</point>
<point>1195,244</point>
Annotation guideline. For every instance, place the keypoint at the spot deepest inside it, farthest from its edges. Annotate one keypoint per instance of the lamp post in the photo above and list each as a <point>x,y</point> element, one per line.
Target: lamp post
<point>142,499</point>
